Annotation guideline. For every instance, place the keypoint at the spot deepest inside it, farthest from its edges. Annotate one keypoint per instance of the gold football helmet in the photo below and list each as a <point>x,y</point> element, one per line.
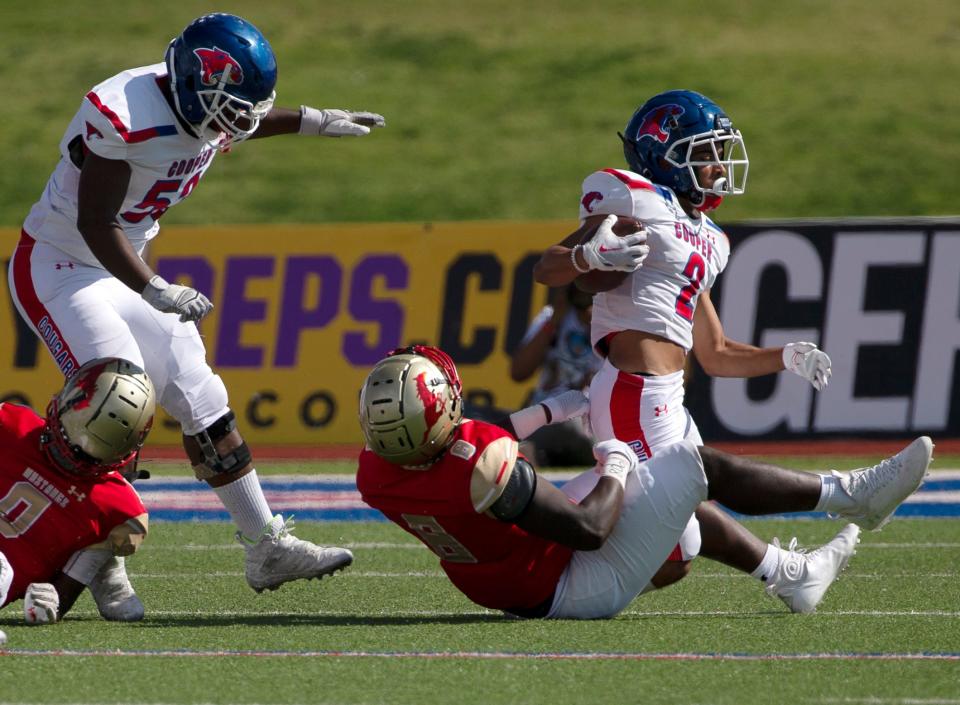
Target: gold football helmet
<point>410,405</point>
<point>100,419</point>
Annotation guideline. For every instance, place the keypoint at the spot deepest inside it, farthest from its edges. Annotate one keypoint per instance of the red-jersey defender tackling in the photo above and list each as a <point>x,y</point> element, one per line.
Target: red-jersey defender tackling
<point>510,540</point>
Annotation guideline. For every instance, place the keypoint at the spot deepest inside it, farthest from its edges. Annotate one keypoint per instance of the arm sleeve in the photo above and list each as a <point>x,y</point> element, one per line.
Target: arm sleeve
<point>85,564</point>
<point>516,496</point>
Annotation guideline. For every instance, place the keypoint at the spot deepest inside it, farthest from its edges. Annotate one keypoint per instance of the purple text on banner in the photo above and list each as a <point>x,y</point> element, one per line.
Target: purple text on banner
<point>296,315</point>
<point>237,310</point>
<point>389,314</point>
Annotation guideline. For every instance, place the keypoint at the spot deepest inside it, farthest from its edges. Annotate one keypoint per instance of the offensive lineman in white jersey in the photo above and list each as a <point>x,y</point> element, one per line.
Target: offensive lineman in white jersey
<point>139,144</point>
<point>685,156</point>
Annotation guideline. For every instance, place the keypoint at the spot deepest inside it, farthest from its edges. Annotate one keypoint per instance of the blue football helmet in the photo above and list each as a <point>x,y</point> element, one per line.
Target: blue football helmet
<point>663,135</point>
<point>222,72</point>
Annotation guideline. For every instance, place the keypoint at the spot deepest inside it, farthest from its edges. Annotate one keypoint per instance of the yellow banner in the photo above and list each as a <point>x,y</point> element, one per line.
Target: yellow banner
<point>302,312</point>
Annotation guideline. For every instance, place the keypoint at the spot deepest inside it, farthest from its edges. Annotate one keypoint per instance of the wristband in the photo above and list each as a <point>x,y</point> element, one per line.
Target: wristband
<point>616,466</point>
<point>311,121</point>
<point>526,421</point>
<point>573,258</point>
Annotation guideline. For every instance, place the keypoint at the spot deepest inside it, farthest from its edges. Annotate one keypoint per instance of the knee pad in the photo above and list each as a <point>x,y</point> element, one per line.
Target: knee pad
<point>214,462</point>
<point>196,399</point>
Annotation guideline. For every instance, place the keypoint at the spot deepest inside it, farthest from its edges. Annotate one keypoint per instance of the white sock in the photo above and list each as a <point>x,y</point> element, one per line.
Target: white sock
<point>769,564</point>
<point>832,496</point>
<point>248,508</point>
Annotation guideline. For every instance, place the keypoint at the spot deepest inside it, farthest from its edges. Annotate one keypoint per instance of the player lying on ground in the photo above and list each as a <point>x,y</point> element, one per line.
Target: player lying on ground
<point>65,507</point>
<point>512,541</point>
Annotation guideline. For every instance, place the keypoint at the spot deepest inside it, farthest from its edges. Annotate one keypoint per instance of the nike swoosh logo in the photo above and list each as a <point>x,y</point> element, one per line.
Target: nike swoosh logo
<point>609,249</point>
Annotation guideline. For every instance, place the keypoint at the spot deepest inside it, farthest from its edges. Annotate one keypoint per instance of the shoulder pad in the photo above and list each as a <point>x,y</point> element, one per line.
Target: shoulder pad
<point>103,130</point>
<point>622,192</point>
<point>491,471</point>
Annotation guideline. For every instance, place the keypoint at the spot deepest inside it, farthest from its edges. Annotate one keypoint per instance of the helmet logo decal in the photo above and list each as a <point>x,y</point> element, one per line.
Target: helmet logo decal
<point>587,201</point>
<point>658,123</point>
<point>433,403</point>
<point>86,385</point>
<point>217,65</point>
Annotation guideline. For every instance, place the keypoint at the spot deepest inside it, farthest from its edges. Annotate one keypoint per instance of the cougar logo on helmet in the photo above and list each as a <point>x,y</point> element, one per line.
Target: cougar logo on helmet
<point>675,136</point>
<point>588,200</point>
<point>659,122</point>
<point>222,76</point>
<point>217,65</point>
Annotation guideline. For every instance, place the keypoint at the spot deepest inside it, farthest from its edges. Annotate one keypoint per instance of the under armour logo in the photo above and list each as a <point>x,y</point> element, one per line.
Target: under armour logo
<point>80,496</point>
<point>660,410</point>
<point>63,265</point>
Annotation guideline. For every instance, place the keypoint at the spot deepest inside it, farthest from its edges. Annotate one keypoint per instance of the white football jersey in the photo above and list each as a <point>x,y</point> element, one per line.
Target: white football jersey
<point>686,256</point>
<point>127,118</point>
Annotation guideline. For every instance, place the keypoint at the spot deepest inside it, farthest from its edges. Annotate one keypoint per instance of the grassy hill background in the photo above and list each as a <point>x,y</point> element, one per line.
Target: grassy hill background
<point>498,109</point>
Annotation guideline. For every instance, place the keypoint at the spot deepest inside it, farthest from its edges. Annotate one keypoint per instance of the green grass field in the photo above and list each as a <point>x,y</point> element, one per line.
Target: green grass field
<point>391,629</point>
<point>499,109</point>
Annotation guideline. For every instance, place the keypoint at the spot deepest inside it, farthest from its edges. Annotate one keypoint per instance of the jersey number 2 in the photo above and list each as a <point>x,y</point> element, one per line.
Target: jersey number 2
<point>20,508</point>
<point>694,271</point>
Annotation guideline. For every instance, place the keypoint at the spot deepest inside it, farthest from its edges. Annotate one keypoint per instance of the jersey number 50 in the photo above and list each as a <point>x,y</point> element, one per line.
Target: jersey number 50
<point>155,203</point>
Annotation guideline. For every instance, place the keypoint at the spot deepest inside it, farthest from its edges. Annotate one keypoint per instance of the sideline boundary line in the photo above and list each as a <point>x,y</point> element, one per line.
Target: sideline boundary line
<point>493,655</point>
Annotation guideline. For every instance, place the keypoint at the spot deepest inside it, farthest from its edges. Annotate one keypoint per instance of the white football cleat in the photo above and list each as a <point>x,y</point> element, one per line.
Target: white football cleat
<point>113,593</point>
<point>802,578</point>
<point>3,637</point>
<point>275,560</point>
<point>878,491</point>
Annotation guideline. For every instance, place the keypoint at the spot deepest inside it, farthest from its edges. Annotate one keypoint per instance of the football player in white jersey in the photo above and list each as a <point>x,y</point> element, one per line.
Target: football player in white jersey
<point>685,156</point>
<point>139,144</point>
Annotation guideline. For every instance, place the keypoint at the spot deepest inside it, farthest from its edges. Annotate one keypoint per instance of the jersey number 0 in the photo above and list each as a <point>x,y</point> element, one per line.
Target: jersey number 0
<point>20,508</point>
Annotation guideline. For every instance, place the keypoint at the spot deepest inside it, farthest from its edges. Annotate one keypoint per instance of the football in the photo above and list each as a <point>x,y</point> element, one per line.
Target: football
<point>597,280</point>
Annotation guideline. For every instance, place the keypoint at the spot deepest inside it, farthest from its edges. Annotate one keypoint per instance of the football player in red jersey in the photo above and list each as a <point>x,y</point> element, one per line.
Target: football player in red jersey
<point>512,541</point>
<point>65,507</point>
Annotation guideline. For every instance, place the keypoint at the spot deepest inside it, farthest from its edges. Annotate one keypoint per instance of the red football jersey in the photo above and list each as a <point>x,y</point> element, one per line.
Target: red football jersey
<point>46,515</point>
<point>496,564</point>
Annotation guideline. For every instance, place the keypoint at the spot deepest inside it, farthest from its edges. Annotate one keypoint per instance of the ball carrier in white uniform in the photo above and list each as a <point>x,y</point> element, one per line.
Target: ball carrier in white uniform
<point>685,156</point>
<point>139,144</point>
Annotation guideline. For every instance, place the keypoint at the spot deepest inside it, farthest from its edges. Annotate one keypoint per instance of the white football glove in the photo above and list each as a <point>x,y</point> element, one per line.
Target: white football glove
<point>615,459</point>
<point>568,405</point>
<point>337,123</point>
<point>811,363</point>
<point>173,298</point>
<point>41,603</point>
<point>609,252</point>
